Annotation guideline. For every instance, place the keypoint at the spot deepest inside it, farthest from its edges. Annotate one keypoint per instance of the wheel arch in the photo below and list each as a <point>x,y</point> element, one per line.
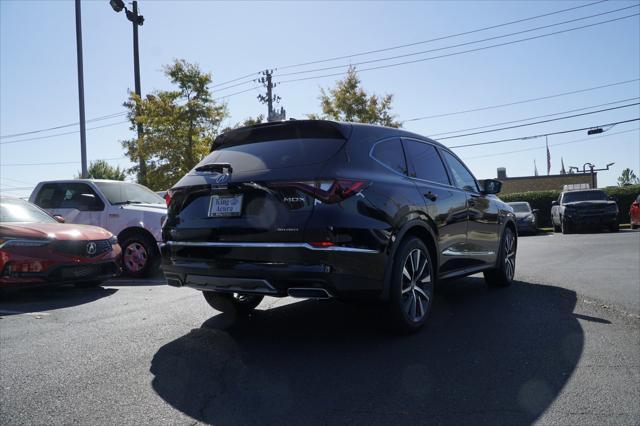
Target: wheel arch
<point>136,230</point>
<point>422,228</point>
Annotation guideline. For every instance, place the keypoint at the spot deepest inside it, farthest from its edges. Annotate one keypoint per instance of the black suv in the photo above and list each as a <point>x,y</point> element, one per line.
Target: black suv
<point>320,209</point>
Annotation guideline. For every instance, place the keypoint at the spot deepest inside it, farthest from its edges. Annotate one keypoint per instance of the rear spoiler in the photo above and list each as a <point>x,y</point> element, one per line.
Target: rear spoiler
<point>293,129</point>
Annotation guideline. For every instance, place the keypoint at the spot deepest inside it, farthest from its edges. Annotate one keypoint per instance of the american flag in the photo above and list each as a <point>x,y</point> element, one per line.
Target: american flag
<point>548,158</point>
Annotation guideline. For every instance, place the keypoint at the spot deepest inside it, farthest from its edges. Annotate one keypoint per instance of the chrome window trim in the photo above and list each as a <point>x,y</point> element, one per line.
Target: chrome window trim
<point>269,245</point>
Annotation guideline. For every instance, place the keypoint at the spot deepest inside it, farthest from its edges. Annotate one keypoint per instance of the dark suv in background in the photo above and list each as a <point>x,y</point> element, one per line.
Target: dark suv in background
<point>319,209</point>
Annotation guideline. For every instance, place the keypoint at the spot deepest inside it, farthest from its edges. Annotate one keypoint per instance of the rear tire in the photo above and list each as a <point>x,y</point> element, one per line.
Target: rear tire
<point>502,275</point>
<point>139,255</point>
<point>412,285</point>
<point>232,302</point>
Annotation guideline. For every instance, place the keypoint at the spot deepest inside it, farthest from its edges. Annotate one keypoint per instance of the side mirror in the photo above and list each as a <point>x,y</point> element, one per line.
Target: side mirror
<point>534,211</point>
<point>554,203</point>
<point>611,198</point>
<point>58,218</point>
<point>491,186</point>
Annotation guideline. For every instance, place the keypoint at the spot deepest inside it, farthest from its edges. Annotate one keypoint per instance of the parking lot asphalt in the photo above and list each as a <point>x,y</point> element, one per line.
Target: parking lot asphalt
<point>555,348</point>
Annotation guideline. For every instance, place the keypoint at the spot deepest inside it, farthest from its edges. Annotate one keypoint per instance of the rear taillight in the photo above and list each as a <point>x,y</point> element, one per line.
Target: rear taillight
<point>167,197</point>
<point>327,191</point>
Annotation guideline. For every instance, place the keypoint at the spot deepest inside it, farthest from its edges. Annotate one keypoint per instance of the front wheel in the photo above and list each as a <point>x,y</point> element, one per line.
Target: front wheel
<point>615,227</point>
<point>232,302</point>
<point>502,275</point>
<point>412,285</point>
<point>565,226</point>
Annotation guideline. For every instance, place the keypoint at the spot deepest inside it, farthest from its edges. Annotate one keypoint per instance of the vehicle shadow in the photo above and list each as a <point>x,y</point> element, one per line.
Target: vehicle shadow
<point>49,298</point>
<point>487,356</point>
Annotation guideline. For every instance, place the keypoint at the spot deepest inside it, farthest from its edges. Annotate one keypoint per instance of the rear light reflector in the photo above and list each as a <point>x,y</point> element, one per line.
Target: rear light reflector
<point>327,191</point>
<point>167,197</point>
<point>321,244</point>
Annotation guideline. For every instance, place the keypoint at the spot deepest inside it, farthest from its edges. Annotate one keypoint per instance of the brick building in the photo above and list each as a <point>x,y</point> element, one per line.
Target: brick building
<point>546,182</point>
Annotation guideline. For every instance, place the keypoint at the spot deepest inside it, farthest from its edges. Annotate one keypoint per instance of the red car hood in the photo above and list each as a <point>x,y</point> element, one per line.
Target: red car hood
<point>58,231</point>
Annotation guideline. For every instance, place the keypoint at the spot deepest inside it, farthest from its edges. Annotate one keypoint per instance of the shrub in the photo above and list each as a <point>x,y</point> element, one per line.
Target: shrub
<point>541,200</point>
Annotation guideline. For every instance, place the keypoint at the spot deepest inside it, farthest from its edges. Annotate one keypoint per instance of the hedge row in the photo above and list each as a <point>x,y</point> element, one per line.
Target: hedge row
<point>541,200</point>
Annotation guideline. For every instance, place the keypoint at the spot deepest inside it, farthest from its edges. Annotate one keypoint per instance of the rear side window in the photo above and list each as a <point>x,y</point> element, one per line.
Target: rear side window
<point>391,154</point>
<point>425,162</point>
<point>462,178</point>
<point>274,154</point>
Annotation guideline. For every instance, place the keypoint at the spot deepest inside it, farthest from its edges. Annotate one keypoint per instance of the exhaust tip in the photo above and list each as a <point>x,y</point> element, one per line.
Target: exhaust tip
<point>309,293</point>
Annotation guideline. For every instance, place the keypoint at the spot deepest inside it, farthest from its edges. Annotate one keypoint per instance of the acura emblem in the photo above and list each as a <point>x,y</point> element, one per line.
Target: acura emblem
<point>222,178</point>
<point>91,248</point>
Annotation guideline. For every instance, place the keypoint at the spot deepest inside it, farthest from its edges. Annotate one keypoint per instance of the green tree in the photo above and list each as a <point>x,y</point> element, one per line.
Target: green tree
<point>100,169</point>
<point>348,101</point>
<point>179,125</point>
<point>628,177</point>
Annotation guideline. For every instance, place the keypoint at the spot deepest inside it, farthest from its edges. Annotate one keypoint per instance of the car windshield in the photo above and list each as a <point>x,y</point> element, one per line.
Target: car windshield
<point>520,207</point>
<point>16,210</point>
<point>571,197</point>
<point>128,193</point>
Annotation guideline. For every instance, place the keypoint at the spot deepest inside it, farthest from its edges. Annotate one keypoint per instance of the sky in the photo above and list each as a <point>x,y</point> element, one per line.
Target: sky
<point>38,74</point>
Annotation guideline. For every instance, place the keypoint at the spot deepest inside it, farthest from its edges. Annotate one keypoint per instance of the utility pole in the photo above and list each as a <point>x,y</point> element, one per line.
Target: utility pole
<point>83,130</point>
<point>270,98</point>
<point>136,20</point>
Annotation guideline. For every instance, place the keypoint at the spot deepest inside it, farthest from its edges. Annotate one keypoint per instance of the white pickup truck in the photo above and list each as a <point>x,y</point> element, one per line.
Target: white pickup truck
<point>132,212</point>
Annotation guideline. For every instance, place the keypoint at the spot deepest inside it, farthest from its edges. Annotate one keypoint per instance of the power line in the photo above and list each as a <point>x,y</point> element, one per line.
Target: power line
<point>335,58</point>
<point>543,134</point>
<point>438,38</point>
<point>104,117</point>
<point>590,138</point>
<point>61,134</point>
<point>461,52</point>
<point>57,162</point>
<point>400,46</point>
<point>533,118</point>
<point>540,122</point>
<point>573,92</point>
<point>455,45</point>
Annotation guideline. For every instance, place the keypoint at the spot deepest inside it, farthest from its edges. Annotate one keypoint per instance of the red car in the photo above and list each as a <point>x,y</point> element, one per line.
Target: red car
<point>634,213</point>
<point>37,250</point>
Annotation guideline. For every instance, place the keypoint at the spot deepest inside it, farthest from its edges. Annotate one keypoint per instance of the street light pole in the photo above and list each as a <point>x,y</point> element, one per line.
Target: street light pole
<point>142,175</point>
<point>136,20</point>
<point>83,130</point>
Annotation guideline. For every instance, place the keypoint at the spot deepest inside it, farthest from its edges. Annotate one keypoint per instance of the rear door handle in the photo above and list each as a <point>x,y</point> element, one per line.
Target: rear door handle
<point>430,195</point>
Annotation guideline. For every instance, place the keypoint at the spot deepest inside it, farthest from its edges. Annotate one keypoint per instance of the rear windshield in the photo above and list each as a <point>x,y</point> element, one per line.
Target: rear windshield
<point>520,207</point>
<point>275,154</point>
<point>573,196</point>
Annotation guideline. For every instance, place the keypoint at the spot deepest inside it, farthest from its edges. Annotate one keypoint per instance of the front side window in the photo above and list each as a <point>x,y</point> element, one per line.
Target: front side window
<point>425,162</point>
<point>79,196</point>
<point>391,154</point>
<point>462,178</point>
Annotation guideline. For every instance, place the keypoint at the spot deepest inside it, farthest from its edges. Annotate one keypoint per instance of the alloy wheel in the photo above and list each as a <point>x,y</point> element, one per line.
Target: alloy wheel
<point>417,285</point>
<point>509,255</point>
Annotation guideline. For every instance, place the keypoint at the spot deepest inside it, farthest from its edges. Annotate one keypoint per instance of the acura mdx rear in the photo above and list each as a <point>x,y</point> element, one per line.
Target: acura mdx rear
<point>319,209</point>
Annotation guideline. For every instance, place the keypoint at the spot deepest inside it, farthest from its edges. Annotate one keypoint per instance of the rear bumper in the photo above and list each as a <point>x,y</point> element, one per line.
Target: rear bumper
<point>274,268</point>
<point>526,227</point>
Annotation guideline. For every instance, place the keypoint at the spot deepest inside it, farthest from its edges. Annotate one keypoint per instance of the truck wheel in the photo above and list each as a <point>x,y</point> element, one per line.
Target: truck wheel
<point>139,255</point>
<point>565,226</point>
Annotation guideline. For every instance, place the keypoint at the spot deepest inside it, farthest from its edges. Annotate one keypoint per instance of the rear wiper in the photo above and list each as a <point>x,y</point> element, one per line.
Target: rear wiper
<point>215,167</point>
<point>127,202</point>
